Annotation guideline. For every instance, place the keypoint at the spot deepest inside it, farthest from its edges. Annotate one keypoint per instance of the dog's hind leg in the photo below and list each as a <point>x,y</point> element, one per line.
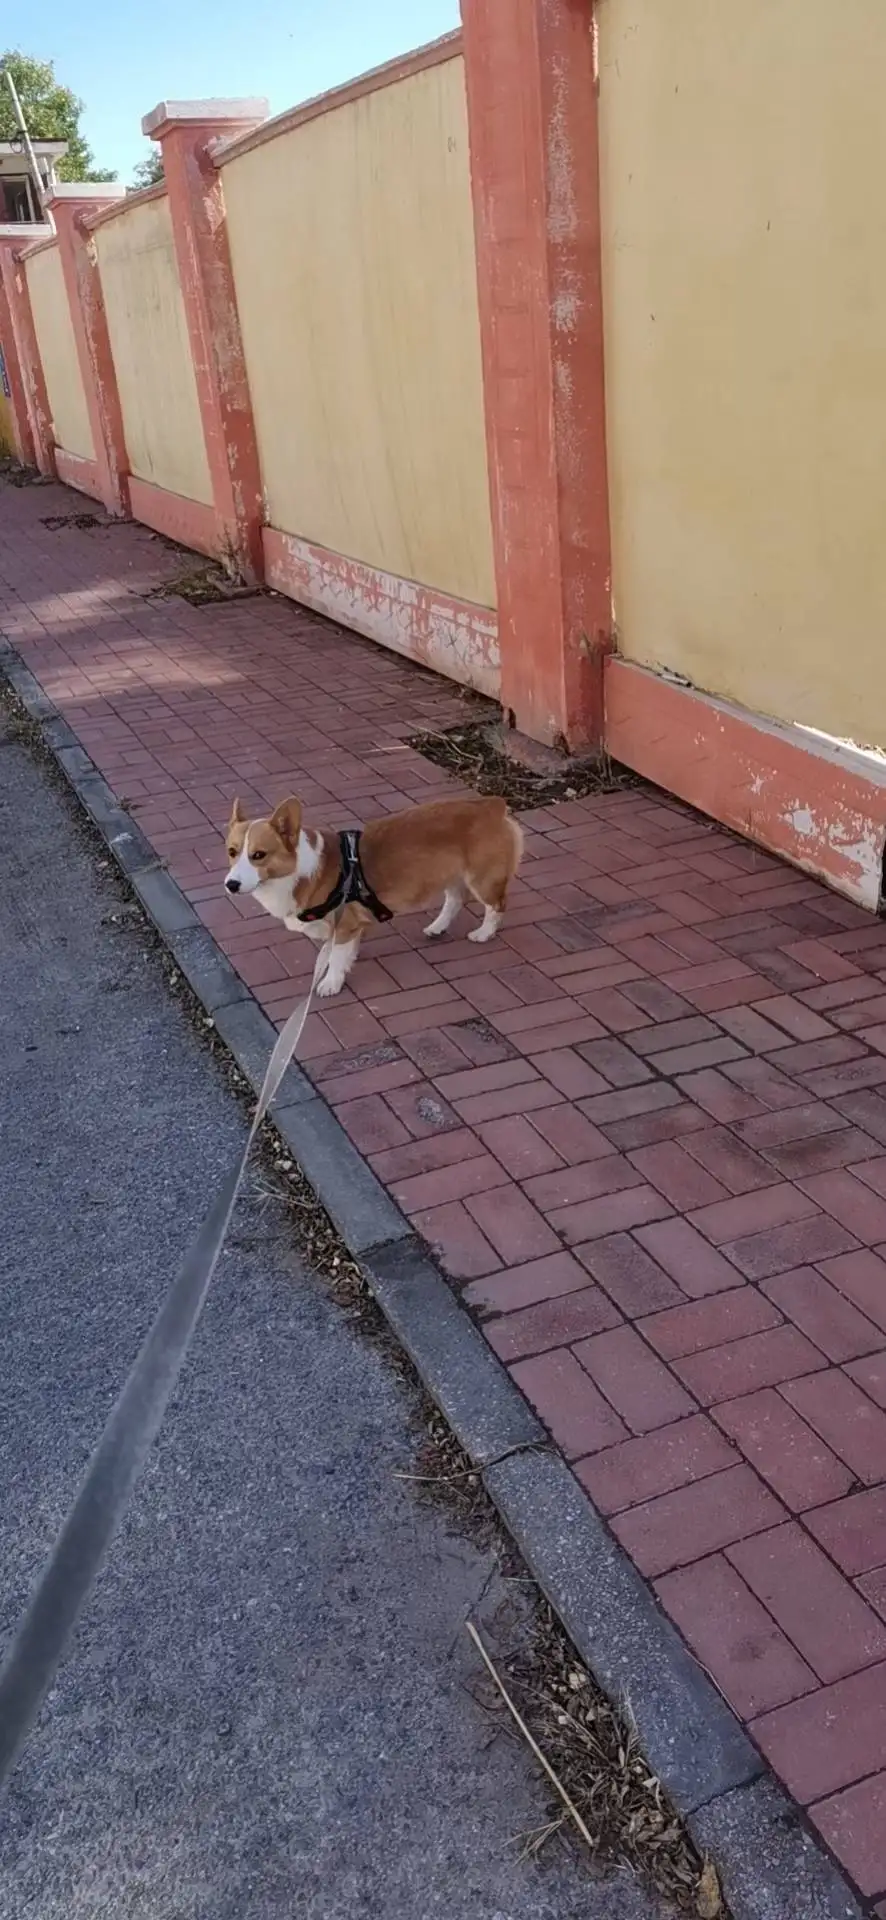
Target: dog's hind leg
<point>490,878</point>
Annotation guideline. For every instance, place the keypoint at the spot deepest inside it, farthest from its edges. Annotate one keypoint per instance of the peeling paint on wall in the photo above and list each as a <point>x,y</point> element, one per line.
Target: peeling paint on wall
<point>750,773</point>
<point>562,218</point>
<point>450,636</point>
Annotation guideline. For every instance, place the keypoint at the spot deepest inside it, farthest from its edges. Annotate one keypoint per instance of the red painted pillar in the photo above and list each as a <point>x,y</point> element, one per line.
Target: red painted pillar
<point>70,204</point>
<point>532,115</point>
<point>186,133</point>
<point>30,404</point>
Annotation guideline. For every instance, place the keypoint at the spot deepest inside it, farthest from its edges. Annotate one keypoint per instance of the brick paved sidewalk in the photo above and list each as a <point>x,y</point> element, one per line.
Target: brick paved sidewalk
<point>645,1131</point>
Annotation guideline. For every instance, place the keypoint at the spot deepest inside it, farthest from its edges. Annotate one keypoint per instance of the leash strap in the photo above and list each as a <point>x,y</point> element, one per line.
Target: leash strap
<point>33,1658</point>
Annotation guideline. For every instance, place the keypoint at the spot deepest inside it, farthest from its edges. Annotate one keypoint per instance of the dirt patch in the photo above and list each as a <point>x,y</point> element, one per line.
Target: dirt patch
<point>86,522</point>
<point>472,751</point>
<point>13,474</point>
<point>204,586</point>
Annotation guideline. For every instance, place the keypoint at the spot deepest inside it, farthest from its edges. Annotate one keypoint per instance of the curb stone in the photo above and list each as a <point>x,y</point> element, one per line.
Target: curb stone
<point>486,1412</point>
<point>206,968</point>
<point>776,1869</point>
<point>245,1029</point>
<point>690,1737</point>
<point>355,1200</point>
<point>770,1864</point>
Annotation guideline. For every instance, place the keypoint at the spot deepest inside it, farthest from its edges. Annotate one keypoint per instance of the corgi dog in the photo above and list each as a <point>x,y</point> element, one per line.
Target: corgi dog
<point>332,886</point>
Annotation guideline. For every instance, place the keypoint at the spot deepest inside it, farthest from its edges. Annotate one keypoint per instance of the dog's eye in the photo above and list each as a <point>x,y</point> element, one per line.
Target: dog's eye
<point>259,854</point>
<point>232,853</point>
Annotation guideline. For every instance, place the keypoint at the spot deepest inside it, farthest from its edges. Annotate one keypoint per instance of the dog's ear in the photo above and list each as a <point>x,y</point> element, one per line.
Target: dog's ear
<point>238,817</point>
<point>286,821</point>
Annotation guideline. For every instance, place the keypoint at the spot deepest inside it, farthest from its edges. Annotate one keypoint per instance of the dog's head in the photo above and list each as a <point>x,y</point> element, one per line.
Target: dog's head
<point>261,850</point>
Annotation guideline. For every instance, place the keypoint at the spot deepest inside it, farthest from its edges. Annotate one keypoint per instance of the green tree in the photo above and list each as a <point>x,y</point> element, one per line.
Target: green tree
<point>149,171</point>
<point>52,112</point>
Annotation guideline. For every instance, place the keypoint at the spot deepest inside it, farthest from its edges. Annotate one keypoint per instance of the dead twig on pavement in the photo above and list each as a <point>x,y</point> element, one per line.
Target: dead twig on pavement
<point>531,1742</point>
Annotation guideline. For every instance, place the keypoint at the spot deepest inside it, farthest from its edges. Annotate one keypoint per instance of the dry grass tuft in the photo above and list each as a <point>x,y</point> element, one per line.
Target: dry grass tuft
<point>472,754</point>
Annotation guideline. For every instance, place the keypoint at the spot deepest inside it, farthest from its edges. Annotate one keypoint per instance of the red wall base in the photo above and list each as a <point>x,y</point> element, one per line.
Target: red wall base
<point>74,471</point>
<point>821,806</point>
<point>453,637</point>
<point>188,521</point>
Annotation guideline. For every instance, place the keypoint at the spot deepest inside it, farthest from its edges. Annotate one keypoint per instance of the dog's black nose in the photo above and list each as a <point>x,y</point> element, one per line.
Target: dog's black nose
<point>233,886</point>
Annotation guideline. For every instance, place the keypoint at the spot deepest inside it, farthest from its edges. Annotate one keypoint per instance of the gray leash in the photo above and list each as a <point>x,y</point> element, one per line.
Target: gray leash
<point>33,1658</point>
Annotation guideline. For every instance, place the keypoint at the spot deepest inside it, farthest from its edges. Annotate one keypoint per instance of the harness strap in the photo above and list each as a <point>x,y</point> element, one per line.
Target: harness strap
<point>351,885</point>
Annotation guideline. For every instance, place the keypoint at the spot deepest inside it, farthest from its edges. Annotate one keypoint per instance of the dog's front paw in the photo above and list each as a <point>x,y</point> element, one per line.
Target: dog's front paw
<point>329,985</point>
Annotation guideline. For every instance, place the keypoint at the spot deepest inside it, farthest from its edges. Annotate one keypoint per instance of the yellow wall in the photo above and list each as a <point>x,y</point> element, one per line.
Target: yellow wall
<point>743,153</point>
<point>352,243</point>
<point>7,440</point>
<point>61,368</point>
<point>149,342</point>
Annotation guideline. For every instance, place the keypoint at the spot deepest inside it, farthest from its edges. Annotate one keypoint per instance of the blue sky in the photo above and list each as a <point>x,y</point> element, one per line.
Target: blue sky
<point>122,59</point>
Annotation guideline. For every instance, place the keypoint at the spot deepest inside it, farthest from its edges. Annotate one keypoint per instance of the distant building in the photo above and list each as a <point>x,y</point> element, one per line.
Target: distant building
<point>19,199</point>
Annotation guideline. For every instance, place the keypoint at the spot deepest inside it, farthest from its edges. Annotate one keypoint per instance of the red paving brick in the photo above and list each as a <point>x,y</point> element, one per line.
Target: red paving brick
<point>831,1625</point>
<point>853,1531</point>
<point>798,1466</point>
<point>424,1155</point>
<point>455,1182</point>
<point>572,1136</point>
<point>569,1403</point>
<point>642,1390</point>
<point>697,1267</point>
<point>832,1322</point>
<point>709,1323</point>
<point>743,1366</point>
<point>845,1418</point>
<point>612,1213</point>
<point>873,1587</point>
<point>512,1224</point>
<point>830,1738</point>
<point>655,1463</point>
<point>751,1213</point>
<point>847,1146</point>
<point>679,1528</point>
<point>854,1825</point>
<point>870,1375</point>
<point>554,1323</point>
<point>628,1274</point>
<point>681,1179</point>
<point>671,1063</point>
<point>735,1638</point>
<point>457,1241</point>
<point>736,1166</point>
<point>861,1278</point>
<point>668,1122</point>
<point>522,1286</point>
<point>760,1255</point>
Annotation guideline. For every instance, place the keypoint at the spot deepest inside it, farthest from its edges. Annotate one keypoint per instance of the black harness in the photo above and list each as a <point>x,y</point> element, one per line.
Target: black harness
<point>351,886</point>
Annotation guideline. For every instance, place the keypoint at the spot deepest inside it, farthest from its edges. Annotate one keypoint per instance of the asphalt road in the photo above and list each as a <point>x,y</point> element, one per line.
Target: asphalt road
<point>267,1710</point>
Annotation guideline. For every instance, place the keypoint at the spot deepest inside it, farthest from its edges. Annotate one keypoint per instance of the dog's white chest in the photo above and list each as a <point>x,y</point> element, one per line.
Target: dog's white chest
<point>276,898</point>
